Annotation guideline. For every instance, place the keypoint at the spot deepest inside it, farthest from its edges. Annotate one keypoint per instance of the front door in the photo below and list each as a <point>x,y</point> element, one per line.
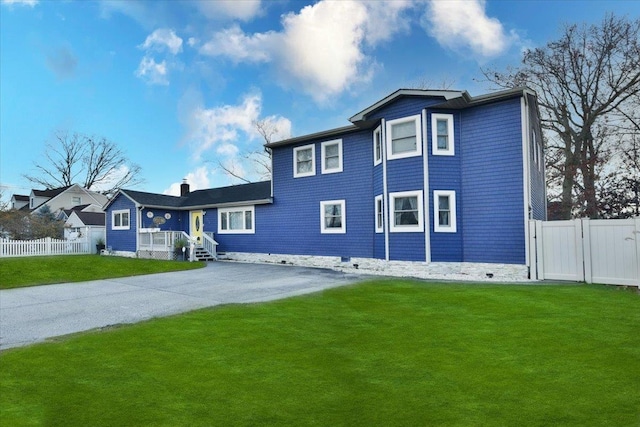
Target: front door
<point>196,227</point>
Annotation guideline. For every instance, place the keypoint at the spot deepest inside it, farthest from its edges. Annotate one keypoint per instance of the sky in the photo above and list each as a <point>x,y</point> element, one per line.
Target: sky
<point>178,85</point>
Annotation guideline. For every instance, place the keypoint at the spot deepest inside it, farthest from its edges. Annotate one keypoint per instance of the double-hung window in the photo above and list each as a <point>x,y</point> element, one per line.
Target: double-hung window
<point>332,217</point>
<point>304,161</point>
<point>238,220</point>
<point>377,146</point>
<point>442,137</point>
<point>444,211</point>
<point>404,137</point>
<point>120,220</point>
<point>379,214</point>
<point>406,211</point>
<point>332,156</point>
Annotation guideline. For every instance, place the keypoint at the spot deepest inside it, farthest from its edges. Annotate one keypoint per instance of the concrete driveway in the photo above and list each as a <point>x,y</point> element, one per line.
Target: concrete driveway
<point>30,315</point>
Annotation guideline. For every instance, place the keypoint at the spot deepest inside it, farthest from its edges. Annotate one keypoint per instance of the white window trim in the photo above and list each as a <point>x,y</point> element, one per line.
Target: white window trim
<point>313,161</point>
<point>343,210</point>
<point>389,143</point>
<point>242,209</point>
<point>437,228</point>
<point>378,131</point>
<point>451,151</point>
<point>379,227</point>
<point>417,228</point>
<point>323,147</point>
<point>113,219</point>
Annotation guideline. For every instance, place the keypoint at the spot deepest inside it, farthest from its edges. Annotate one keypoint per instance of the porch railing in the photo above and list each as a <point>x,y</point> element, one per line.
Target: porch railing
<point>160,240</point>
<point>154,241</point>
<point>209,243</point>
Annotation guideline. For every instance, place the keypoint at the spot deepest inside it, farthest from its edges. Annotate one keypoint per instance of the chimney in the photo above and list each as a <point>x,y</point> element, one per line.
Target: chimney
<point>184,188</point>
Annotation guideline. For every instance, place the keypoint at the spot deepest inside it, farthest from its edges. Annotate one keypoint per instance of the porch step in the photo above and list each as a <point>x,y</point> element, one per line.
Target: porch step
<point>201,254</point>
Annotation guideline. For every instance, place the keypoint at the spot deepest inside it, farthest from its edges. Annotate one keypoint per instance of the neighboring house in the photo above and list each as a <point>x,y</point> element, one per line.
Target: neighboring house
<point>81,225</point>
<point>19,201</point>
<point>435,180</point>
<point>60,199</point>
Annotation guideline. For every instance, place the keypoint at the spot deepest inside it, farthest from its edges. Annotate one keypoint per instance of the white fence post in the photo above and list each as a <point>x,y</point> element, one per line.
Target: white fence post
<point>579,250</point>
<point>636,235</point>
<point>586,249</point>
<point>533,264</point>
<point>539,250</point>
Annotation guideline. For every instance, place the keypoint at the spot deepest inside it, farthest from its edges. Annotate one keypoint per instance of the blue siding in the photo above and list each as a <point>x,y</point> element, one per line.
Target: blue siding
<point>122,240</point>
<point>445,173</point>
<point>291,225</point>
<point>492,184</point>
<point>172,224</point>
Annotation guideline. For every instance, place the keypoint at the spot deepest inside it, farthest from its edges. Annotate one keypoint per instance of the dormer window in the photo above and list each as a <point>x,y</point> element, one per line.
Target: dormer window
<point>404,138</point>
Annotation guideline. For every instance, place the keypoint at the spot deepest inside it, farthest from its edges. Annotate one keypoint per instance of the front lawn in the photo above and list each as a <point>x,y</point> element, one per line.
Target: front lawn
<point>382,353</point>
<point>45,270</point>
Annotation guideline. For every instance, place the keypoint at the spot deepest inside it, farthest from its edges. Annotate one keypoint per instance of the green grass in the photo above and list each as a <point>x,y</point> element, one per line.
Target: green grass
<point>383,353</point>
<point>45,270</point>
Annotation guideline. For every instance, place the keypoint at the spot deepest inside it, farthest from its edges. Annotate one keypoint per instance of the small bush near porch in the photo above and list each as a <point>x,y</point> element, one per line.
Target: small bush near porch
<point>46,270</point>
<point>383,353</point>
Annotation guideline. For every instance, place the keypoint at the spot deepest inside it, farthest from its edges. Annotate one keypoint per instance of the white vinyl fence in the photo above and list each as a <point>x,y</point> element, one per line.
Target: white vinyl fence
<point>593,251</point>
<point>46,246</point>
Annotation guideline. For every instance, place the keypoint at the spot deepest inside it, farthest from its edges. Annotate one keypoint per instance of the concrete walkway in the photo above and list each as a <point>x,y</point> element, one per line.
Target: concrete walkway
<point>30,315</point>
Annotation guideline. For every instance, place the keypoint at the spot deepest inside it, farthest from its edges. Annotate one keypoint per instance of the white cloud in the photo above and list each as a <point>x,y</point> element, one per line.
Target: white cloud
<point>226,127</point>
<point>463,25</point>
<point>161,39</point>
<point>30,3</point>
<point>152,72</point>
<point>229,9</point>
<point>233,43</point>
<point>322,48</point>
<point>227,149</point>
<point>385,19</point>
<point>197,180</point>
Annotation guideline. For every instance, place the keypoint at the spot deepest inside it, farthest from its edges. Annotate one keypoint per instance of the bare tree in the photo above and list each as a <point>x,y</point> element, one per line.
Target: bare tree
<point>583,80</point>
<point>94,162</point>
<point>260,159</point>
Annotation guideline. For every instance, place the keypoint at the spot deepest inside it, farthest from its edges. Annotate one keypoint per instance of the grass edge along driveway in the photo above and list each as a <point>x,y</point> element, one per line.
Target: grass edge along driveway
<point>386,352</point>
<point>46,270</point>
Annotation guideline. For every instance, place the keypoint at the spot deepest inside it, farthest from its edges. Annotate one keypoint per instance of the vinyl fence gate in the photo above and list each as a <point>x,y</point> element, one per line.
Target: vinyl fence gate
<point>594,251</point>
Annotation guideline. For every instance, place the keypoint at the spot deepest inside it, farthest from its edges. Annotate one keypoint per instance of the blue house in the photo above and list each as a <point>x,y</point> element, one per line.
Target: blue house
<point>431,181</point>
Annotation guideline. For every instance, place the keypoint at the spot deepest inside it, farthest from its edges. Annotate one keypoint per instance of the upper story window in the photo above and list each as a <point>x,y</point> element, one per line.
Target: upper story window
<point>238,220</point>
<point>444,211</point>
<point>406,211</point>
<point>332,156</point>
<point>379,214</point>
<point>377,146</point>
<point>332,217</point>
<point>404,138</point>
<point>442,138</point>
<point>120,220</point>
<point>76,200</point>
<point>304,161</point>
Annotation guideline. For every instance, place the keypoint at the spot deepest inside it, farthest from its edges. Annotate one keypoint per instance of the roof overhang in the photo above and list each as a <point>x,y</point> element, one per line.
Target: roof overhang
<point>446,94</point>
<point>228,205</point>
<point>318,135</point>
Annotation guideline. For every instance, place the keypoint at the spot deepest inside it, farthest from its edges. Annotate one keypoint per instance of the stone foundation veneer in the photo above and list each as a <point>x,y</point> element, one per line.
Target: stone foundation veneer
<point>436,270</point>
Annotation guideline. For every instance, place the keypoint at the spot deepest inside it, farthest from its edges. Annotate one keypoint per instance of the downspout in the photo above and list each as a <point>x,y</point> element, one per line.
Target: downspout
<point>385,191</point>
<point>138,222</point>
<point>426,210</point>
<point>526,178</point>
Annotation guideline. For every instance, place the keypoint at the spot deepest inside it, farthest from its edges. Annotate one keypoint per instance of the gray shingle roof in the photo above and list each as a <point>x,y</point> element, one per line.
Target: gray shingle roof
<point>91,218</point>
<point>253,192</point>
